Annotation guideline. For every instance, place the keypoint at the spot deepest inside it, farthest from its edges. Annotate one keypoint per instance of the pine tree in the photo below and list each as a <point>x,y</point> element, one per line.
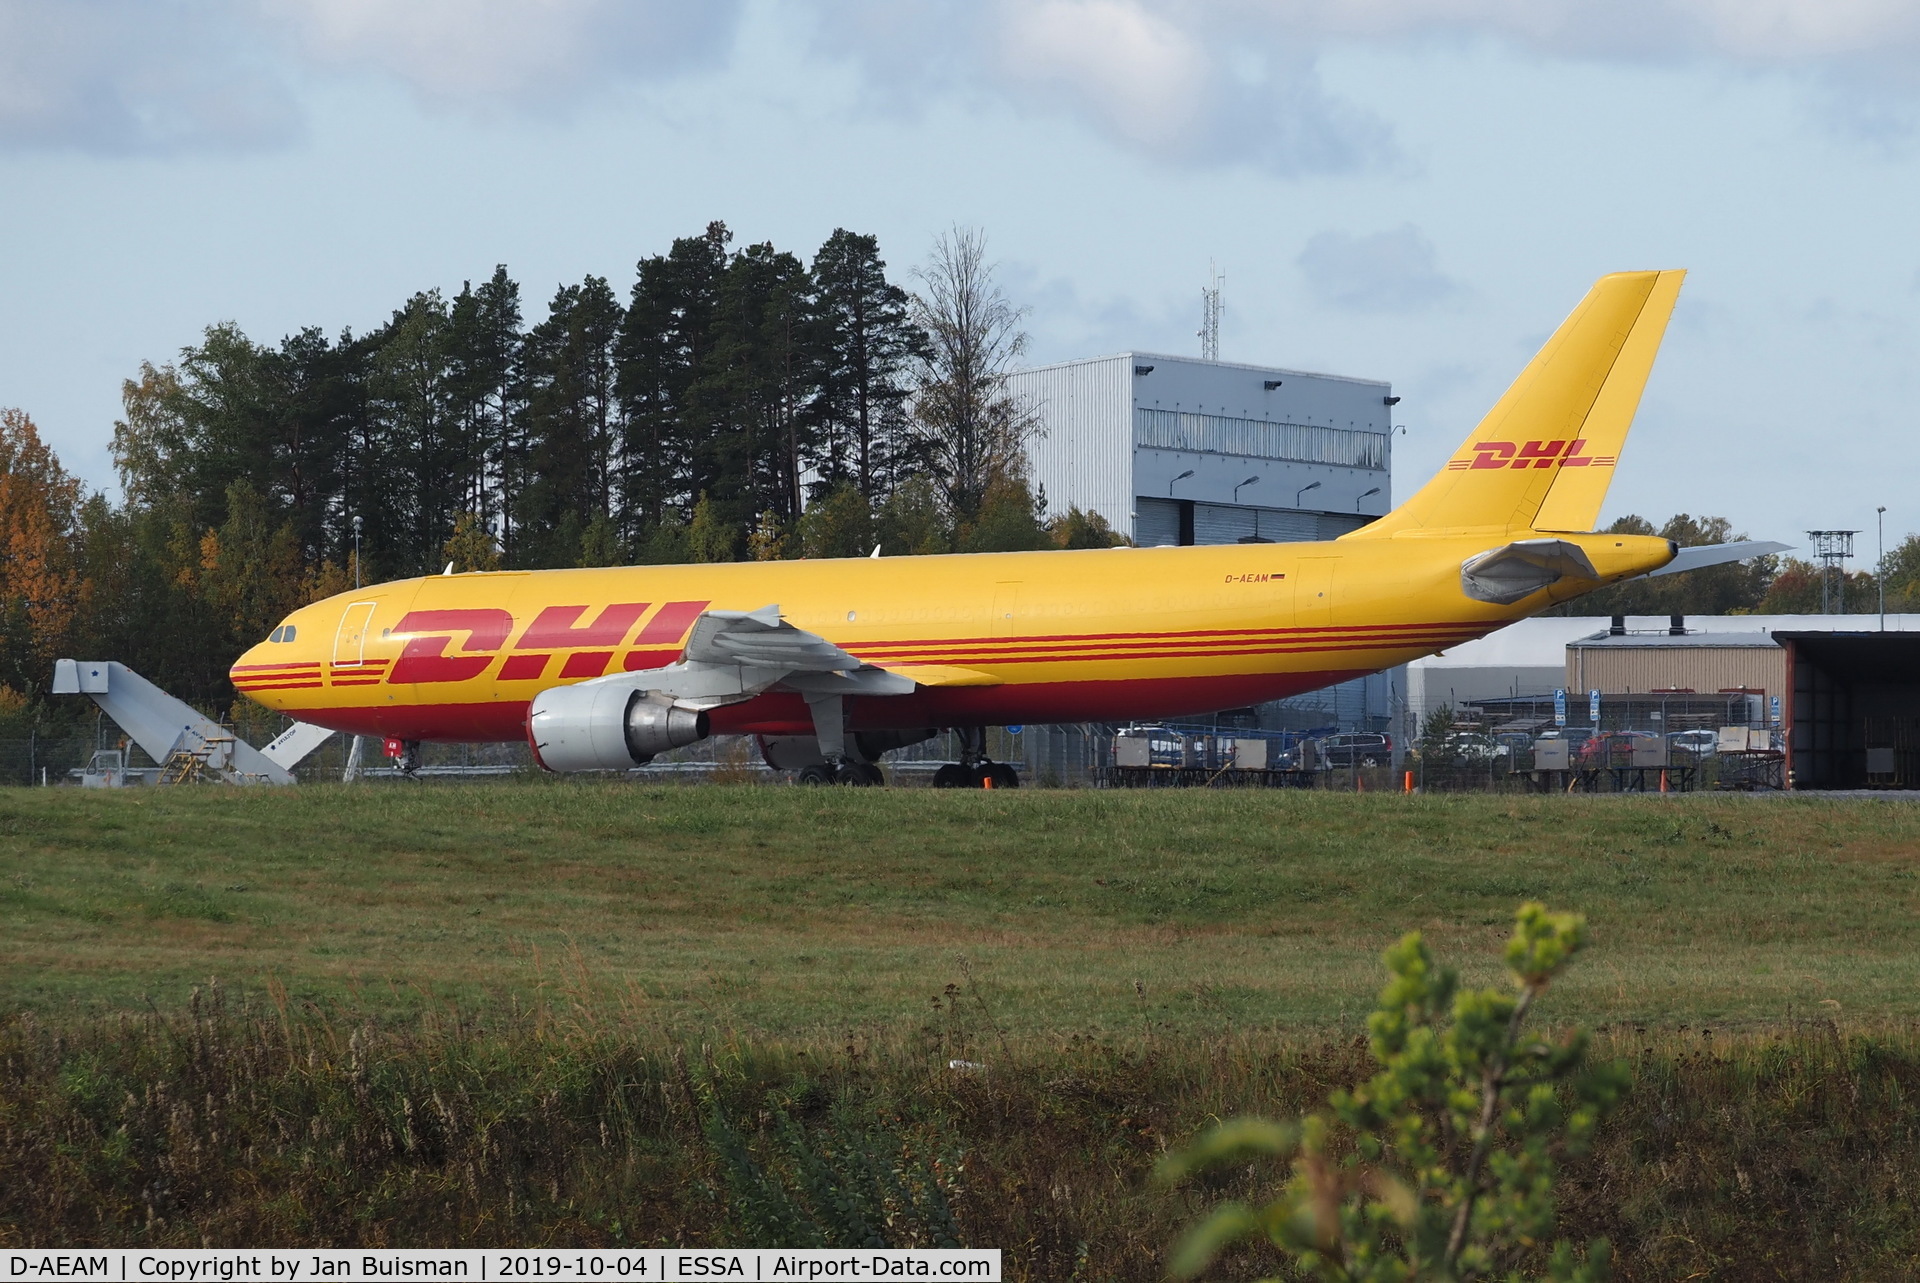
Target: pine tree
<point>318,400</point>
<point>753,389</point>
<point>663,350</point>
<point>572,419</point>
<point>484,347</point>
<point>864,343</point>
<point>411,393</point>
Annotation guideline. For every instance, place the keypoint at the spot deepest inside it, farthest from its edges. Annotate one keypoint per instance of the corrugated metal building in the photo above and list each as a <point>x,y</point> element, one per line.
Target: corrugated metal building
<point>1637,663</point>
<point>1535,656</point>
<point>1174,450</point>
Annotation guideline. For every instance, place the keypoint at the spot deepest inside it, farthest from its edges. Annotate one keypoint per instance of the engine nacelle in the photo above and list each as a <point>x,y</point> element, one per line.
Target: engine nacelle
<point>656,724</point>
<point>612,727</point>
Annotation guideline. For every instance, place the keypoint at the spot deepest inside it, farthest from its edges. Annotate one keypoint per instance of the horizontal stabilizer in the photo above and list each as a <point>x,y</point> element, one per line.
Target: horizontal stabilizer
<point>1719,554</point>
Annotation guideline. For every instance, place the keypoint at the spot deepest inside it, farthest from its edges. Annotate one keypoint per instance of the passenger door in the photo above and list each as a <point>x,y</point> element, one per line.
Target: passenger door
<point>1313,592</point>
<point>1006,610</point>
<point>350,641</point>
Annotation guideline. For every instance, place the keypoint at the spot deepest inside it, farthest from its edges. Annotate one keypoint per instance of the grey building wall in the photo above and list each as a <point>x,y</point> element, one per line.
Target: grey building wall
<point>1083,454</point>
<point>1118,432</point>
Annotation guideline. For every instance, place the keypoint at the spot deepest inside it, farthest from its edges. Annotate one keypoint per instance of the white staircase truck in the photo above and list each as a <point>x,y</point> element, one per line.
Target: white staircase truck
<point>187,745</point>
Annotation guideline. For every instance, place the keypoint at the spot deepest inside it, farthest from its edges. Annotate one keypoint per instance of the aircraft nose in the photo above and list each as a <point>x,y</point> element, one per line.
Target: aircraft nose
<point>260,672</point>
<point>251,658</point>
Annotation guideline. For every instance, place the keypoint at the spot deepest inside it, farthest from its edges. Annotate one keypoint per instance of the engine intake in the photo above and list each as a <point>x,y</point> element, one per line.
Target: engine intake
<point>591,727</point>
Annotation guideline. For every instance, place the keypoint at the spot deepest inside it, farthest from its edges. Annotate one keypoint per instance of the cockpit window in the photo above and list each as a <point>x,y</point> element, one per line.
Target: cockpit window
<point>284,633</point>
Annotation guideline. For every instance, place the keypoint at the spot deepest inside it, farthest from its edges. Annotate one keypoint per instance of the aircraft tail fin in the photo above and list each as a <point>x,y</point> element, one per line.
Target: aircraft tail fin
<point>1542,457</point>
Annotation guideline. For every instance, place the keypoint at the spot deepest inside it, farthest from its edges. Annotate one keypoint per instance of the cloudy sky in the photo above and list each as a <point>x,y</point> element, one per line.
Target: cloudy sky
<point>1414,190</point>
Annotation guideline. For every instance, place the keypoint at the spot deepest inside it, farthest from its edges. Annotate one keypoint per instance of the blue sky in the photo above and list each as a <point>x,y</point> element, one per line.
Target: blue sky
<point>1415,190</point>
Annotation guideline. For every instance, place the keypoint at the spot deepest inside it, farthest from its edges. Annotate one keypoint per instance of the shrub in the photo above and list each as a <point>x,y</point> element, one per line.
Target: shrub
<point>1441,1166</point>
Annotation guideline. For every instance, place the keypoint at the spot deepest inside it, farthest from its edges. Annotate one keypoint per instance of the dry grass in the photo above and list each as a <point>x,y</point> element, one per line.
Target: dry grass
<point>1785,1156</point>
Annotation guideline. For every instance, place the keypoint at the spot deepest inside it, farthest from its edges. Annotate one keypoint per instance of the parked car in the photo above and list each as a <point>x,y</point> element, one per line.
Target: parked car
<point>1575,736</point>
<point>1472,746</point>
<point>1614,748</point>
<point>1361,748</point>
<point>1512,742</point>
<point>1698,743</point>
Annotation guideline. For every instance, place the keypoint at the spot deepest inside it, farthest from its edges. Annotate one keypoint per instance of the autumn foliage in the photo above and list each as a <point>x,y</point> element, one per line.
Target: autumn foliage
<point>41,584</point>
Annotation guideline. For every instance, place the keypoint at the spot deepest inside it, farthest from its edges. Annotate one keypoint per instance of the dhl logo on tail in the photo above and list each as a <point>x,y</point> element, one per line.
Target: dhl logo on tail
<point>1532,454</point>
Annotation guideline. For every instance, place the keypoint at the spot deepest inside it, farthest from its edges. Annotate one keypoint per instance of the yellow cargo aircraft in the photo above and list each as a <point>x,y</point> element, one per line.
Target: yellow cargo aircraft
<point>833,662</point>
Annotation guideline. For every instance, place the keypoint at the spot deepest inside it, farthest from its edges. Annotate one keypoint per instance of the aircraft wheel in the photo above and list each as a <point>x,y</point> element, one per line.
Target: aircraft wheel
<point>859,774</point>
<point>814,775</point>
<point>953,776</point>
<point>1001,775</point>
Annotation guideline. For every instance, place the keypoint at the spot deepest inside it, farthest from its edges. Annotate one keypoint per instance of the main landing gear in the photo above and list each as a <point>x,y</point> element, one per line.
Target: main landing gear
<point>845,771</point>
<point>973,770</point>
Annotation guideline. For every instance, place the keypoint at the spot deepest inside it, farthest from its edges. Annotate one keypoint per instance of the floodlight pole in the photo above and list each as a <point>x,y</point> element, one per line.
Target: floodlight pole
<point>1880,567</point>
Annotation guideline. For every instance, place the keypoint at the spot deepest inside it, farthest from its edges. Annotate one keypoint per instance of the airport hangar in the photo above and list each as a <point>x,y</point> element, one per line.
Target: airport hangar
<point>1843,691</point>
<point>1183,450</point>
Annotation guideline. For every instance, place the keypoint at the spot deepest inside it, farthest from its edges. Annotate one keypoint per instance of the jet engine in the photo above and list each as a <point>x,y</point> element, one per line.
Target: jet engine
<point>591,727</point>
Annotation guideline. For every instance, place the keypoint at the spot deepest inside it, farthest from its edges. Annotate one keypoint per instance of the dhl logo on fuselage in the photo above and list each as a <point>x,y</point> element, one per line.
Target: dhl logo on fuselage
<point>1532,454</point>
<point>485,631</point>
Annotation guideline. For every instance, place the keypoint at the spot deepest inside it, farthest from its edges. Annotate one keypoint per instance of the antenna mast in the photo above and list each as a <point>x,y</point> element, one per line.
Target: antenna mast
<point>1831,548</point>
<point>1210,314</point>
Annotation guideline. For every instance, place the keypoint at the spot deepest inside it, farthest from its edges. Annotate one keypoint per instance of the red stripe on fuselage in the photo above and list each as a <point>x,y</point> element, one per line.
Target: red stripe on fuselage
<point>781,712</point>
<point>1314,630</point>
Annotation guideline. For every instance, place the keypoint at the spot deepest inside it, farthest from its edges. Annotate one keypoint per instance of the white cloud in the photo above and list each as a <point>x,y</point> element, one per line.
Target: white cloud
<point>1391,271</point>
<point>1195,82</point>
<point>134,75</point>
<point>1145,74</point>
<point>1778,32</point>
<point>157,75</point>
<point>1142,74</point>
<point>524,52</point>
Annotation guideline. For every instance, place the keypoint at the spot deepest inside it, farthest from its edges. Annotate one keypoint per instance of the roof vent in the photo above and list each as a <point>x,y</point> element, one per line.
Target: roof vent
<point>1676,625</point>
<point>1618,626</point>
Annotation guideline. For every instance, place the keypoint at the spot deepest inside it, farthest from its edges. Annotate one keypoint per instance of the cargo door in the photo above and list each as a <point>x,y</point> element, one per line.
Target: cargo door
<point>350,641</point>
<point>1006,610</point>
<point>1313,592</point>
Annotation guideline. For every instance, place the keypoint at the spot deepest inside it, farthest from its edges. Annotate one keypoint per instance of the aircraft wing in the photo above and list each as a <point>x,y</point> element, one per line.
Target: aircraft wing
<point>761,639</point>
<point>944,675</point>
<point>1718,554</point>
<point>735,654</point>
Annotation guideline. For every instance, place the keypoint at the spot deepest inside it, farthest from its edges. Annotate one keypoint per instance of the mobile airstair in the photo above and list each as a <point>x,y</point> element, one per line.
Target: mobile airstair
<point>190,748</point>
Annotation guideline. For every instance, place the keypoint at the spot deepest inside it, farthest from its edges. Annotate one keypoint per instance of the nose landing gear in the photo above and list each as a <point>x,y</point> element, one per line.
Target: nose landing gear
<point>405,755</point>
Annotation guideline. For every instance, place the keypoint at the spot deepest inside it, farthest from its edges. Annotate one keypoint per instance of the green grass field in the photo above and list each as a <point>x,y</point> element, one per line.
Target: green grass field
<point>763,910</point>
<point>593,1013</point>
